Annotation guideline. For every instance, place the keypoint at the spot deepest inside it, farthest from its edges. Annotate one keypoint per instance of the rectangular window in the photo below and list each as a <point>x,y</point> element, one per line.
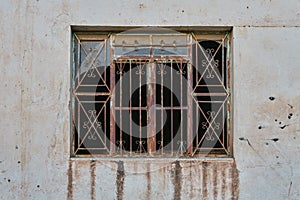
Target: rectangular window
<point>151,92</point>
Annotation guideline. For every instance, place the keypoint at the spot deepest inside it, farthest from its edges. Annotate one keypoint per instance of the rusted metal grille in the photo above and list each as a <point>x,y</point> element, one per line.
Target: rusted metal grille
<point>150,94</point>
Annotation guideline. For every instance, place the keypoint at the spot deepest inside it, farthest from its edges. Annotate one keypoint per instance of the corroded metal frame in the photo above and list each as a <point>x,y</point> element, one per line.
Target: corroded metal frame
<point>112,147</point>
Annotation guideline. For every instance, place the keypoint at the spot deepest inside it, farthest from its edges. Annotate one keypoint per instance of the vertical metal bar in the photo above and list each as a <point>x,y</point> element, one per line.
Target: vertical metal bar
<point>153,122</point>
<point>196,81</point>
<point>140,107</point>
<point>223,63</point>
<point>112,101</point>
<point>104,67</point>
<point>78,125</point>
<point>181,110</point>
<point>71,103</point>
<point>190,101</point>
<point>78,61</point>
<point>78,79</point>
<point>151,117</point>
<point>162,106</point>
<point>105,61</point>
<point>172,133</point>
<point>223,120</point>
<point>130,105</point>
<point>229,108</point>
<point>121,99</point>
<point>151,101</point>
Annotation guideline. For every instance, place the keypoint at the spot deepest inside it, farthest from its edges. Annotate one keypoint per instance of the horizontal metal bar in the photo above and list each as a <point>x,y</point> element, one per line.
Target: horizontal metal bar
<point>92,37</point>
<point>146,59</point>
<point>147,34</point>
<point>94,85</point>
<point>157,108</point>
<point>210,94</point>
<point>90,148</point>
<point>153,58</point>
<point>210,101</point>
<point>171,108</point>
<point>92,101</point>
<point>207,148</point>
<point>210,85</point>
<point>163,158</point>
<point>131,108</point>
<point>92,93</point>
<point>149,45</point>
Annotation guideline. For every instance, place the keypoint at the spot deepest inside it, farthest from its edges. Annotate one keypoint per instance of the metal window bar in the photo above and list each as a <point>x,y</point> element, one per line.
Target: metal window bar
<point>199,73</point>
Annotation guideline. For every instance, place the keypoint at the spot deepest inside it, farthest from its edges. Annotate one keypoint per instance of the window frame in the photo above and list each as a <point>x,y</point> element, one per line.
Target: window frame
<point>198,36</point>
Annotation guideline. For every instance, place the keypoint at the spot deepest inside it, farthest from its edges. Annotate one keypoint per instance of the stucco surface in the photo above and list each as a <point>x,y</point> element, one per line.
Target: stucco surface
<point>35,93</point>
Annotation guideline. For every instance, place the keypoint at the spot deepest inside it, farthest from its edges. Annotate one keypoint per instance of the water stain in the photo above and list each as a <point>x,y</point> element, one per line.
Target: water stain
<point>93,176</point>
<point>223,190</point>
<point>148,175</point>
<point>70,181</point>
<point>120,180</point>
<point>220,180</point>
<point>215,182</point>
<point>177,182</point>
<point>235,182</point>
<point>205,165</point>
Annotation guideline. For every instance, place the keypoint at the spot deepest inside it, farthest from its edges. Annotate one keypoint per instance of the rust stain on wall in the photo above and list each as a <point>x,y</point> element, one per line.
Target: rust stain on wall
<point>148,175</point>
<point>204,180</point>
<point>92,170</point>
<point>223,184</point>
<point>120,180</point>
<point>70,181</point>
<point>218,179</point>
<point>177,180</point>
<point>190,179</point>
<point>215,181</point>
<point>235,182</point>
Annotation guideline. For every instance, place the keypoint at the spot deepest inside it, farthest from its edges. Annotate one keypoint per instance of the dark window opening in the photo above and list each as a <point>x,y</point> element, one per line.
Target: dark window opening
<point>167,97</point>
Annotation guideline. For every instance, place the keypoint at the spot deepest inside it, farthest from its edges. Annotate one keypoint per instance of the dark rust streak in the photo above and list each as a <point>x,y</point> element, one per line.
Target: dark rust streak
<point>177,181</point>
<point>70,181</point>
<point>120,180</point>
<point>191,182</point>
<point>215,181</point>
<point>235,182</point>
<point>223,187</point>
<point>204,180</point>
<point>92,170</point>
<point>148,182</point>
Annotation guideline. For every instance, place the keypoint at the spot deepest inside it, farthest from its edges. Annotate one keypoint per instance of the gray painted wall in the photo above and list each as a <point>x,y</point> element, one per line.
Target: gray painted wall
<point>35,71</point>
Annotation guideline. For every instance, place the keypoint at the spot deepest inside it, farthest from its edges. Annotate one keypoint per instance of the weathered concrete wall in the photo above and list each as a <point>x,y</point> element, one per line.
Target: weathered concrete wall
<point>35,71</point>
